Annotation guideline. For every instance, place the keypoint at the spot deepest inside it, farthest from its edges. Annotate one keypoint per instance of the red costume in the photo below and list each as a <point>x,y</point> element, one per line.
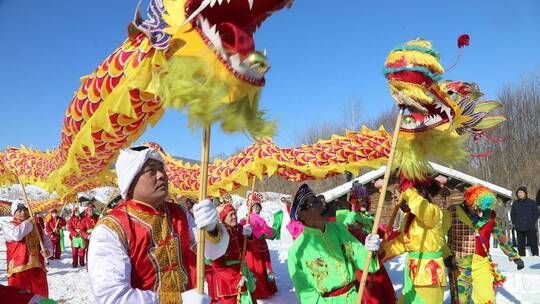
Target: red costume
<point>258,255</point>
<point>228,269</point>
<point>161,258</point>
<point>25,264</point>
<point>88,222</point>
<point>77,253</point>
<point>14,295</point>
<point>258,261</point>
<point>53,231</point>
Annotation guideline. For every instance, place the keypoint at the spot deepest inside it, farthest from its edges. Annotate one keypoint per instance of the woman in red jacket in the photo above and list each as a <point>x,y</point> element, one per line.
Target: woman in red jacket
<point>231,275</point>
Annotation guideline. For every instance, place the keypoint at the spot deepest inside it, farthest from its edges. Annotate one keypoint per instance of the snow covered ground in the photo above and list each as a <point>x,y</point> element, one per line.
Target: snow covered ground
<point>73,285</point>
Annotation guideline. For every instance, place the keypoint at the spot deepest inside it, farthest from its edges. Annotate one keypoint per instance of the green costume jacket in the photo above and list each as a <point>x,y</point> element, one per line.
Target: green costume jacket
<point>323,262</point>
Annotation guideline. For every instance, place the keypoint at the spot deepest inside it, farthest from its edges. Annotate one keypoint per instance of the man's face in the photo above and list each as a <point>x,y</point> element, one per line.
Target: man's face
<point>311,210</point>
<point>151,184</point>
<point>231,219</point>
<point>54,214</point>
<point>521,194</point>
<point>22,214</point>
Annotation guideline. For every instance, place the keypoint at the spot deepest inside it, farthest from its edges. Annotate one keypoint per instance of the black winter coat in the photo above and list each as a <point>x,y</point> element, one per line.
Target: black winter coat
<point>524,214</point>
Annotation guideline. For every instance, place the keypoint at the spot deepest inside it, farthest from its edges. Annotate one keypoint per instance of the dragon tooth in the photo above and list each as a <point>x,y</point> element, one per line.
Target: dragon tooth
<point>250,4</point>
<point>203,5</point>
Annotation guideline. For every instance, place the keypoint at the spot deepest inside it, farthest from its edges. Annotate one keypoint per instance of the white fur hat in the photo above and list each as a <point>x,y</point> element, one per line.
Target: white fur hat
<point>130,162</point>
<point>17,205</point>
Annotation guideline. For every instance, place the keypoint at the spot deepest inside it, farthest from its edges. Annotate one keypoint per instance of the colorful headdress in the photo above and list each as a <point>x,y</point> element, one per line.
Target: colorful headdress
<point>359,192</point>
<point>411,67</point>
<point>480,197</point>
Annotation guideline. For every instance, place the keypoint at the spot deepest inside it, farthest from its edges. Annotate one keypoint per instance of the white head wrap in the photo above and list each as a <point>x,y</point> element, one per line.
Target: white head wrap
<point>129,163</point>
<point>17,205</point>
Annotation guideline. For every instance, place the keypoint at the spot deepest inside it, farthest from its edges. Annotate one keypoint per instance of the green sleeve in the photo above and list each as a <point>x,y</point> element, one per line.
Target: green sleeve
<point>276,226</point>
<point>504,242</point>
<point>359,252</point>
<point>304,284</point>
<point>343,216</point>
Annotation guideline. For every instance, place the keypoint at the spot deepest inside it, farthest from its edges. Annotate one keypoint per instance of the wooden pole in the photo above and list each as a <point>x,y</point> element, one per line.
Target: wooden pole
<point>27,203</point>
<point>59,215</point>
<point>381,202</point>
<point>244,245</point>
<point>203,183</point>
<point>393,216</point>
<point>113,195</point>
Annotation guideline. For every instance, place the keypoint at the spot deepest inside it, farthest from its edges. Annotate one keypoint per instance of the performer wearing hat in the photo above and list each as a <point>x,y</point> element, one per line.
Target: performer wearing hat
<point>231,276</point>
<point>53,231</point>
<point>88,222</point>
<point>25,262</point>
<point>257,254</point>
<point>421,235</point>
<point>78,244</point>
<point>473,223</point>
<point>324,259</point>
<point>140,251</point>
<point>359,222</point>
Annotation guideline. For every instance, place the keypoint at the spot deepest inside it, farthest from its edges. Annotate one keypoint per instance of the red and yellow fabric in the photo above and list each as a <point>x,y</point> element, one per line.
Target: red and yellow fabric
<point>422,236</point>
<point>25,264</point>
<point>160,260</point>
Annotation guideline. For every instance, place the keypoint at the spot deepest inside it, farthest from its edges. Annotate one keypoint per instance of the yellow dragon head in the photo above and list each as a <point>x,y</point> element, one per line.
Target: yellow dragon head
<point>206,62</point>
<point>439,114</point>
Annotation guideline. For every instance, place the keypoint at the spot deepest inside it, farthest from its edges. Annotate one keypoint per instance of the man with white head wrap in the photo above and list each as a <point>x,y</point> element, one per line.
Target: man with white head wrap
<point>25,262</point>
<point>143,250</point>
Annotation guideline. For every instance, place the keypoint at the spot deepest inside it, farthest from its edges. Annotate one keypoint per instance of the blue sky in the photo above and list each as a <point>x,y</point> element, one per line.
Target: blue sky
<point>324,55</point>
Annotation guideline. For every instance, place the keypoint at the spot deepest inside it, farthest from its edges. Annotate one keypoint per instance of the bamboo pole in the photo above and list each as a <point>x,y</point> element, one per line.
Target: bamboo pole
<point>244,245</point>
<point>27,203</point>
<point>203,183</point>
<point>59,215</point>
<point>113,195</point>
<point>393,216</point>
<point>381,202</point>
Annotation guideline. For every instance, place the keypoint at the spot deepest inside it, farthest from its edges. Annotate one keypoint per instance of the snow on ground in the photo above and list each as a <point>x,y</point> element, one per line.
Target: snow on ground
<point>73,285</point>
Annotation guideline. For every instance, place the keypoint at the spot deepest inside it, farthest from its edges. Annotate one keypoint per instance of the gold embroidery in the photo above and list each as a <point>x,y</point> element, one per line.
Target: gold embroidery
<point>348,251</point>
<point>214,239</point>
<point>113,224</point>
<point>32,243</point>
<point>171,277</point>
<point>319,271</point>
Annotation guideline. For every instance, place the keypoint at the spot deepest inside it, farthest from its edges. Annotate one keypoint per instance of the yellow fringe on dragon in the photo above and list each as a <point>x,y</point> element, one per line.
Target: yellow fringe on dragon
<point>442,113</point>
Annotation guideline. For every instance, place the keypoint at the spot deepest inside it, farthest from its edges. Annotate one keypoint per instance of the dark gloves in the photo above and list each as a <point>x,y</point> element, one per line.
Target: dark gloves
<point>450,263</point>
<point>404,207</point>
<point>519,263</point>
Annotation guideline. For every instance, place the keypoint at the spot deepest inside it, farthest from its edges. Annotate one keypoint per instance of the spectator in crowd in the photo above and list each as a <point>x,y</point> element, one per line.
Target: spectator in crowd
<point>524,215</point>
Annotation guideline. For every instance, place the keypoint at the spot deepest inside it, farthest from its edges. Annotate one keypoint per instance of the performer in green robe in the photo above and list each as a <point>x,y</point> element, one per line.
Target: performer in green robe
<point>324,259</point>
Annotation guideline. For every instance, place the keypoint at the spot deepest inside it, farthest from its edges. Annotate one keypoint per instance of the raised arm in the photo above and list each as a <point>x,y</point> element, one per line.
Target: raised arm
<point>428,214</point>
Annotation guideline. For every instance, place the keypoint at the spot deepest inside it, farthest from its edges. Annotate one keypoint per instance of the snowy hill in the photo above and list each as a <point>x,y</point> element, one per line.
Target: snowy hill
<point>13,192</point>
